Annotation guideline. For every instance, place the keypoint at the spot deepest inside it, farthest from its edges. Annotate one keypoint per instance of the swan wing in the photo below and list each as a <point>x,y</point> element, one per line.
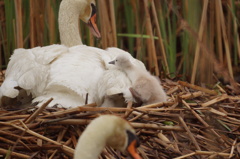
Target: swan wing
<point>28,69</point>
<point>77,73</point>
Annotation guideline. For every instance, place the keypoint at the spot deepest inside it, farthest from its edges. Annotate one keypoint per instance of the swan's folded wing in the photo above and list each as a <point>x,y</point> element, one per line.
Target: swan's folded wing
<point>28,69</point>
<point>78,71</point>
<point>46,55</point>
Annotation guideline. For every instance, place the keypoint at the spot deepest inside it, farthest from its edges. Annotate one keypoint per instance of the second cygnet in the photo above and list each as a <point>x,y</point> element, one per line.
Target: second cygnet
<point>145,87</point>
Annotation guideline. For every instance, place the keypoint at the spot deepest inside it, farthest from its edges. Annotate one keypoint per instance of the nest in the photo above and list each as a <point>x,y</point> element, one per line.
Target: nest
<point>195,123</point>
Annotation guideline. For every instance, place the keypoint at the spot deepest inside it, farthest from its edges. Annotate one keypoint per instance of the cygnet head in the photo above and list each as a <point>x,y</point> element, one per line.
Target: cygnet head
<point>122,61</point>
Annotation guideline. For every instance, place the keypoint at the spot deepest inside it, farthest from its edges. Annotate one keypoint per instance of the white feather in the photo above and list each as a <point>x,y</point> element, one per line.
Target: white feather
<point>29,69</point>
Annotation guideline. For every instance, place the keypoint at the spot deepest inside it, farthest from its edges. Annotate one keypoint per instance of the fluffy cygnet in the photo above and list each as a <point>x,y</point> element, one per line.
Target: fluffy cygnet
<point>145,87</point>
<point>113,87</point>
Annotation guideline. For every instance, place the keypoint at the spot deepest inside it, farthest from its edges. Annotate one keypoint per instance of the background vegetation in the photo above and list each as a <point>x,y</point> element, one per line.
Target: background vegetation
<point>195,40</point>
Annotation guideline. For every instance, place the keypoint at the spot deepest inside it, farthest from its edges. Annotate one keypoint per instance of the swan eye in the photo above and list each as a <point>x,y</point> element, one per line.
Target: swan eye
<point>132,137</point>
<point>133,143</point>
<point>94,9</point>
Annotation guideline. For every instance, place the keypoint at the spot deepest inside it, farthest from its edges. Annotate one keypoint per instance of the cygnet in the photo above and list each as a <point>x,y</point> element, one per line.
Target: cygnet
<point>146,88</point>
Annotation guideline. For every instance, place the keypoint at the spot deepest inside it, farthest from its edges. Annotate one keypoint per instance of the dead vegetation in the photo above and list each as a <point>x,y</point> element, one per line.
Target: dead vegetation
<point>195,123</point>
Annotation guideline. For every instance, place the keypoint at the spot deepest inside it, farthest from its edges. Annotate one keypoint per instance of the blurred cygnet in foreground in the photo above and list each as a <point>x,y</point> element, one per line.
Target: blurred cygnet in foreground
<point>145,87</point>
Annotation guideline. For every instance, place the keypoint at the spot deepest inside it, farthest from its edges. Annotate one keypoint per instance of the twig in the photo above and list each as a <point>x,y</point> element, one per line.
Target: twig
<point>14,154</point>
<point>189,133</point>
<point>67,149</point>
<point>127,113</point>
<point>205,90</point>
<point>38,111</point>
<point>216,100</point>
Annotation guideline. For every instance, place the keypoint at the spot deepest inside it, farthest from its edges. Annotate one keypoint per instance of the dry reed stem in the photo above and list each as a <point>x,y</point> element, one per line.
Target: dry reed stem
<point>14,154</point>
<point>68,111</point>
<point>15,112</point>
<point>192,95</point>
<point>189,133</point>
<point>215,100</point>
<point>167,146</point>
<point>155,18</point>
<point>129,106</point>
<point>51,22</point>
<point>65,148</point>
<point>172,90</point>
<point>113,23</point>
<point>217,112</point>
<point>19,27</point>
<point>157,105</point>
<point>150,42</point>
<point>211,153</point>
<point>219,33</point>
<point>32,16</point>
<point>202,121</point>
<point>205,90</point>
<point>232,148</point>
<point>185,156</point>
<point>13,117</point>
<point>200,36</point>
<point>37,112</point>
<point>155,126</point>
<point>225,39</point>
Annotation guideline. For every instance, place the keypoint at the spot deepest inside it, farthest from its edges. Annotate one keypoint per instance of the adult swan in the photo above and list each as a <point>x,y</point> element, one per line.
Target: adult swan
<point>66,73</point>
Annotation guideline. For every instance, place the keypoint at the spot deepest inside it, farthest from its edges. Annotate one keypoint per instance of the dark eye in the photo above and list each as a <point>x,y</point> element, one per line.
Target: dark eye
<point>94,10</point>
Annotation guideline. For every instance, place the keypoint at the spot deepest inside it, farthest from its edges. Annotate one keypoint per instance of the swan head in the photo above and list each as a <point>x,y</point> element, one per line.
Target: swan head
<point>122,62</point>
<point>89,15</point>
<point>107,130</point>
<point>86,9</point>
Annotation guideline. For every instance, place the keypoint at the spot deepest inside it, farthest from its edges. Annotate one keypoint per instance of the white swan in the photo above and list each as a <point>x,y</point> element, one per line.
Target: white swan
<point>145,87</point>
<point>36,70</point>
<point>67,74</point>
<point>106,130</point>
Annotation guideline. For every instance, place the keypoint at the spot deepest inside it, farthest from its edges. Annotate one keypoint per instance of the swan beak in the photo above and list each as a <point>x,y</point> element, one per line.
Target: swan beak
<point>112,62</point>
<point>132,150</point>
<point>93,26</point>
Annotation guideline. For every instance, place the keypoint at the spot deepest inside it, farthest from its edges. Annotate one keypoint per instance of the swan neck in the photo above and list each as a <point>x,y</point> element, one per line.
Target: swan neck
<point>69,24</point>
<point>92,142</point>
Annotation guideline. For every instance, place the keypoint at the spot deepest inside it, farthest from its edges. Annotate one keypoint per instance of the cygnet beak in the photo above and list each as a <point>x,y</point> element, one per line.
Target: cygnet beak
<point>93,26</point>
<point>112,62</point>
<point>132,150</point>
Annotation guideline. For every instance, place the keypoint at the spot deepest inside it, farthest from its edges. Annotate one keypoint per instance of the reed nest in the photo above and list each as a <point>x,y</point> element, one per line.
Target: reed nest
<point>195,123</point>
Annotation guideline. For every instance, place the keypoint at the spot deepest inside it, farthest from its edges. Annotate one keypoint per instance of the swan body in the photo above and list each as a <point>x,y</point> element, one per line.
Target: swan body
<point>33,69</point>
<point>71,71</point>
<point>74,75</point>
<point>106,130</point>
<point>145,87</point>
